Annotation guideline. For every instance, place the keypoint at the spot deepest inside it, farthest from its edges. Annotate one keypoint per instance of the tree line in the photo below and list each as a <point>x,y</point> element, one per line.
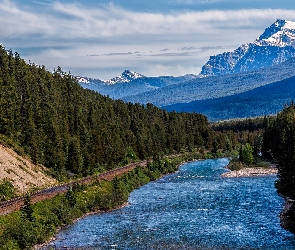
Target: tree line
<point>279,145</point>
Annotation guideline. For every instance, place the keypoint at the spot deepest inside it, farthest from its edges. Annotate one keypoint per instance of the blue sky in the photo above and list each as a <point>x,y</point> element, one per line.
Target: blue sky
<point>103,38</point>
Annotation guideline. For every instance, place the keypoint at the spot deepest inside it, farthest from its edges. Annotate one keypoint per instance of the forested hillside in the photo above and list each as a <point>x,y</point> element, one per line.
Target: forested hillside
<point>67,128</point>
<point>264,100</point>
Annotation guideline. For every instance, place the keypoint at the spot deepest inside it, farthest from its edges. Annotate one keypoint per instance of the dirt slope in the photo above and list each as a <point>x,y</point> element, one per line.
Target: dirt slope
<point>21,172</point>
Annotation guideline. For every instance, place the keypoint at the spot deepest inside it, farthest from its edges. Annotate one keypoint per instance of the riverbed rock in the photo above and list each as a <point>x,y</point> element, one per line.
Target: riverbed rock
<point>248,172</point>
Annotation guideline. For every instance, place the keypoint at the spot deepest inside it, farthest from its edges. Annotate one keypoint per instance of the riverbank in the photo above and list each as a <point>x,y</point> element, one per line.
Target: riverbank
<point>47,243</point>
<point>288,214</point>
<point>120,187</point>
<point>250,172</point>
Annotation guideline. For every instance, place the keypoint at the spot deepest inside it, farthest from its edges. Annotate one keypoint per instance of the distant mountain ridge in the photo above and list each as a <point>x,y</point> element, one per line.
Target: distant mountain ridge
<point>265,100</point>
<point>126,76</point>
<point>121,87</point>
<point>168,90</point>
<point>274,46</point>
<point>215,86</point>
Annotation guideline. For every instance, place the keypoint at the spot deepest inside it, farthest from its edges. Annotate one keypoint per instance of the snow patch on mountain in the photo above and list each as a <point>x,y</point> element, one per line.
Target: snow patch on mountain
<point>82,79</point>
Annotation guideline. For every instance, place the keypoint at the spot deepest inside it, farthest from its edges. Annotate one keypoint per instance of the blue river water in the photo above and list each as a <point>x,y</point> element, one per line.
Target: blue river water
<point>194,208</point>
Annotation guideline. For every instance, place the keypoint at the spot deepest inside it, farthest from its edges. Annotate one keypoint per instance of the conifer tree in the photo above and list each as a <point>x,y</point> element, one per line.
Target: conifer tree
<point>27,210</point>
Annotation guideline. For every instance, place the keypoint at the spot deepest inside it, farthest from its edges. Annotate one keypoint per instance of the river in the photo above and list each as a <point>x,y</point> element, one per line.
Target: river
<point>194,208</point>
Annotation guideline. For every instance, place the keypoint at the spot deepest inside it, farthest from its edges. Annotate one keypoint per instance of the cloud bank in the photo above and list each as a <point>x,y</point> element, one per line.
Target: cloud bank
<point>118,38</point>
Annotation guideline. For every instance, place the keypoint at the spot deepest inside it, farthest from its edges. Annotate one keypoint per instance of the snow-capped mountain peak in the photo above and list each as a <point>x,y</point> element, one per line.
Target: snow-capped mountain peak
<point>275,45</point>
<point>82,79</point>
<point>126,76</point>
<point>281,33</point>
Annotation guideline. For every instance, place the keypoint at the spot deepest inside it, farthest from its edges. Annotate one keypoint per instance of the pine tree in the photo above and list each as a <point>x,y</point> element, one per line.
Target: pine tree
<point>247,153</point>
<point>71,197</point>
<point>27,210</point>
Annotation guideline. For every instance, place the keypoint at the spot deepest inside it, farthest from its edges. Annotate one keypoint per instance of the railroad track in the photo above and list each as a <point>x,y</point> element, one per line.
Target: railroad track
<point>12,205</point>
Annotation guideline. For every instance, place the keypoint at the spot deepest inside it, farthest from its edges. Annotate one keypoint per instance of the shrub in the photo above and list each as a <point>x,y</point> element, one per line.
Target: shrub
<point>7,191</point>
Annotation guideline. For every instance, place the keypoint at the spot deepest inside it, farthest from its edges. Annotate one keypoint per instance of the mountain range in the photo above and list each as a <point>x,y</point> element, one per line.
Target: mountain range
<point>224,79</point>
<point>125,85</point>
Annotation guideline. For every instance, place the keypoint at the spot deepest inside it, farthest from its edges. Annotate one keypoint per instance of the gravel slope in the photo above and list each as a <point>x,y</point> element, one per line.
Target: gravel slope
<point>21,172</point>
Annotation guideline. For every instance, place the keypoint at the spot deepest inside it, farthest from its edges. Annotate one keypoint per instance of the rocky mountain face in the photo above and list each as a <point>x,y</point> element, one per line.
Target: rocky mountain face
<point>274,46</point>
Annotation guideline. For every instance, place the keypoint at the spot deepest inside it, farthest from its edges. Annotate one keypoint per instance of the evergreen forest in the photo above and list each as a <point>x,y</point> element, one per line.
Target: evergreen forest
<point>69,129</point>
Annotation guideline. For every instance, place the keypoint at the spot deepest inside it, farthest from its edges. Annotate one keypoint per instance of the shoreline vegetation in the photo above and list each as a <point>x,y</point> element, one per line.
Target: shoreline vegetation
<point>47,243</point>
<point>246,166</point>
<point>104,196</point>
<point>117,191</point>
<point>175,162</point>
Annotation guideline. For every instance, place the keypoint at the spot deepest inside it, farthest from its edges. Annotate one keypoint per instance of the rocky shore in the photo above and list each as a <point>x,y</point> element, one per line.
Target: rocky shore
<point>287,215</point>
<point>248,172</point>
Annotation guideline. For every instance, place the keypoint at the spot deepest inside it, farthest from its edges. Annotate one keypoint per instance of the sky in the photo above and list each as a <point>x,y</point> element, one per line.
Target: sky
<point>100,39</point>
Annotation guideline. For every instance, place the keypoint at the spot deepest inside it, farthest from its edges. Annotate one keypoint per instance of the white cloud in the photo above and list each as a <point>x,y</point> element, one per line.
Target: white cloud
<point>76,21</point>
<point>112,30</point>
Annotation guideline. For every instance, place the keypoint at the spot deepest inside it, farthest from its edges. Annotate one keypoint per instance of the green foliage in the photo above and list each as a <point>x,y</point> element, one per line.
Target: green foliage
<point>23,232</point>
<point>71,197</point>
<point>27,210</point>
<point>7,191</point>
<point>228,144</point>
<point>279,144</point>
<point>67,128</point>
<point>246,154</point>
<point>237,125</point>
<point>130,155</point>
<point>10,245</point>
<point>215,146</point>
<point>235,164</point>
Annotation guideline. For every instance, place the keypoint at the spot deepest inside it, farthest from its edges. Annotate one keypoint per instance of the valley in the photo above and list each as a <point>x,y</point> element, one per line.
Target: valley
<point>80,139</point>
